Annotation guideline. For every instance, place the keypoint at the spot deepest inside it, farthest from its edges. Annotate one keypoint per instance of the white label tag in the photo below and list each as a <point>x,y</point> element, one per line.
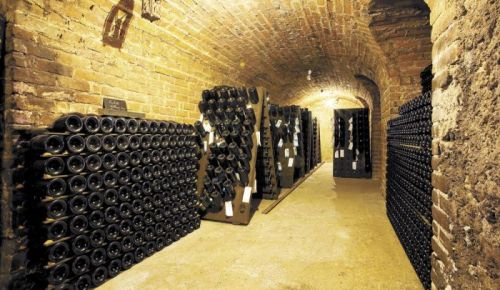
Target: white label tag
<point>354,165</point>
<point>294,151</point>
<point>336,154</point>
<point>207,127</point>
<point>279,166</point>
<point>287,152</point>
<point>296,143</point>
<point>205,146</point>
<point>257,135</point>
<point>342,153</point>
<point>350,146</point>
<point>211,138</point>
<point>229,208</point>
<point>290,162</point>
<point>249,106</point>
<point>280,143</point>
<point>247,193</point>
<point>278,124</point>
<point>254,189</point>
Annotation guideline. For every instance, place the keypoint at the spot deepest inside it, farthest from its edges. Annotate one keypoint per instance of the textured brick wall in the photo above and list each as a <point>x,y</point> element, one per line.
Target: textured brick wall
<point>57,63</point>
<point>465,36</point>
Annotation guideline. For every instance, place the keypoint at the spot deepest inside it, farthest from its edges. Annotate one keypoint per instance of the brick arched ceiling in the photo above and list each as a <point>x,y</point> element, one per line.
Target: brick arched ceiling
<point>276,42</point>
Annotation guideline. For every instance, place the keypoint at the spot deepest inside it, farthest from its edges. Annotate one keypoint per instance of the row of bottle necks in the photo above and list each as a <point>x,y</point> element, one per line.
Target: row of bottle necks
<point>92,124</point>
<point>86,144</point>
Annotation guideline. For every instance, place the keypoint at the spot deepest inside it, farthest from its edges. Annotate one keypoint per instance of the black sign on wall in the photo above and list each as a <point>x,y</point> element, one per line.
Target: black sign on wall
<point>351,150</point>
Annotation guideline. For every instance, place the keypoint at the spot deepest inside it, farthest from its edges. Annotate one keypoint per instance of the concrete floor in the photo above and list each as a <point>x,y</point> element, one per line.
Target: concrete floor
<point>328,234</point>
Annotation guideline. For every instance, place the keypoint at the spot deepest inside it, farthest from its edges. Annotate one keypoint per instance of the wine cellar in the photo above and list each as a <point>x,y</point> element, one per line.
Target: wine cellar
<point>235,144</point>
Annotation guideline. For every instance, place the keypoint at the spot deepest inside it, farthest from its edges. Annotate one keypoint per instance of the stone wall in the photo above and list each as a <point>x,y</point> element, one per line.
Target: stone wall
<point>465,36</point>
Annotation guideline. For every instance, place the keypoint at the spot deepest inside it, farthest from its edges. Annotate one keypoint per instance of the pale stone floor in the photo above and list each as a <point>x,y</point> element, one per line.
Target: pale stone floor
<point>328,234</point>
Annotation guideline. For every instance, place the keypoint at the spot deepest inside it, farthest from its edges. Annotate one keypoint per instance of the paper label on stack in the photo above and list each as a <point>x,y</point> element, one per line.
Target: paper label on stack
<point>229,208</point>
<point>254,189</point>
<point>354,165</point>
<point>336,154</point>
<point>247,193</point>
<point>287,153</point>
<point>211,138</point>
<point>290,162</point>
<point>257,135</point>
<point>295,151</point>
<point>280,143</point>
<point>350,146</point>
<point>278,124</point>
<point>342,153</point>
<point>279,166</point>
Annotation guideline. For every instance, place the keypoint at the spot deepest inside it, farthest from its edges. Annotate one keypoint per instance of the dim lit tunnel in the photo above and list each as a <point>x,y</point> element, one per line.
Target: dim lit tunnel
<point>155,58</point>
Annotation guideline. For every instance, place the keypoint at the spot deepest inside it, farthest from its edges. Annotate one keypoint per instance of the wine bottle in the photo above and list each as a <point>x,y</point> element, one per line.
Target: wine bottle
<point>96,219</point>
<point>52,166</point>
<point>69,123</point>
<point>80,265</point>
<point>120,125</point>
<point>80,245</point>
<point>107,125</point>
<point>114,267</point>
<point>75,164</point>
<point>99,275</point>
<point>112,232</point>
<point>58,251</point>
<point>75,144</point>
<point>78,204</point>
<point>77,184</point>
<point>128,260</point>
<point>57,230</point>
<point>132,126</point>
<point>93,162</point>
<point>94,182</point>
<point>143,126</point>
<point>53,144</point>
<point>91,124</point>
<point>78,224</point>
<point>58,274</point>
<point>98,257</point>
<point>97,238</point>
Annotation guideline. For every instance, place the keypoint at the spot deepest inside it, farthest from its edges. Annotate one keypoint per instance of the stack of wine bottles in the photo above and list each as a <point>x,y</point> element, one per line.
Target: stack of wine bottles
<point>267,183</point>
<point>229,121</point>
<point>292,134</point>
<point>316,146</point>
<point>307,130</point>
<point>99,194</point>
<point>352,157</point>
<point>409,188</point>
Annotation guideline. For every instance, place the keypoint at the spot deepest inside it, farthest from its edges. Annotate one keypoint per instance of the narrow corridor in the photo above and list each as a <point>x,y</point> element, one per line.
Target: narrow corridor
<point>328,234</point>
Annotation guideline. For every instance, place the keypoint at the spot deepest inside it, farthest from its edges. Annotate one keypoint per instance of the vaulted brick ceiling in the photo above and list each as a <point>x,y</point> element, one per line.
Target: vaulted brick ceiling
<point>276,42</point>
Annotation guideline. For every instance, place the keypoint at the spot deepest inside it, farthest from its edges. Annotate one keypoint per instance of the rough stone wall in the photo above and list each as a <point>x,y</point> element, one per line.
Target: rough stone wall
<point>466,242</point>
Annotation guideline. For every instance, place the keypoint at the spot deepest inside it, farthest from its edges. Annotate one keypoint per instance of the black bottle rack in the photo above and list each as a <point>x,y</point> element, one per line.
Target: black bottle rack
<point>409,187</point>
<point>316,144</point>
<point>230,129</point>
<point>351,144</point>
<point>96,194</point>
<point>309,142</point>
<point>267,182</point>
